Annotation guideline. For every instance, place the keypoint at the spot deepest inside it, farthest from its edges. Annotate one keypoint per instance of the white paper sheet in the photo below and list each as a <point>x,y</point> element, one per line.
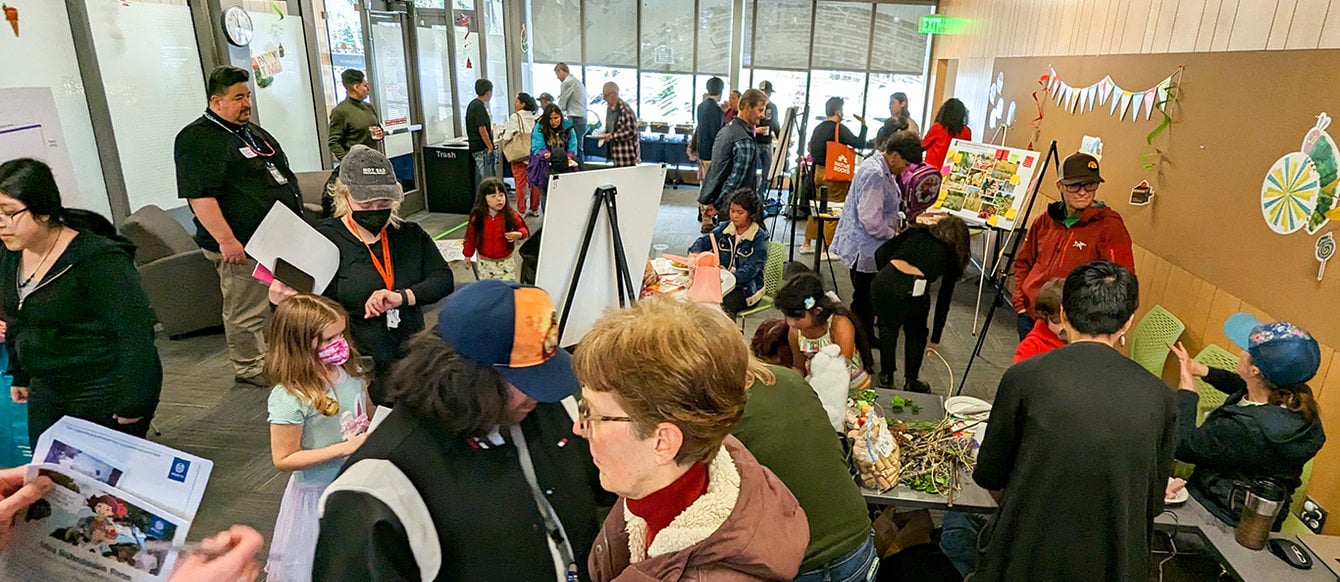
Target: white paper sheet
<point>286,235</point>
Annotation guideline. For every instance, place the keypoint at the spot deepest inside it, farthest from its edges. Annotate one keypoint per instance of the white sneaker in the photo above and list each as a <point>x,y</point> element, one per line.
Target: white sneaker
<point>806,249</point>
<point>826,257</point>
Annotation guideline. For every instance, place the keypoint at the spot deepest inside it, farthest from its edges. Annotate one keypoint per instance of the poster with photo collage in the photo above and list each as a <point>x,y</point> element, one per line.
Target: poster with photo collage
<point>985,183</point>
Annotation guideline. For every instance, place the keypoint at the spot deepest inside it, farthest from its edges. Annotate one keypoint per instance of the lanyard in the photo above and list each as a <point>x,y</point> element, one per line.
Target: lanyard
<point>551,522</point>
<point>388,271</point>
<point>244,134</point>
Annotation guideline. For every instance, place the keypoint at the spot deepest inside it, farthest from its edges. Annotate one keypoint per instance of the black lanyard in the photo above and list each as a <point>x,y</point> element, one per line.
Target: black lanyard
<point>259,147</point>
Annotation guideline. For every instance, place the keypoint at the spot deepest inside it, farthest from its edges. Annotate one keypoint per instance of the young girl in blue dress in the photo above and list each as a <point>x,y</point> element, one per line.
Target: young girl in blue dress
<point>319,413</point>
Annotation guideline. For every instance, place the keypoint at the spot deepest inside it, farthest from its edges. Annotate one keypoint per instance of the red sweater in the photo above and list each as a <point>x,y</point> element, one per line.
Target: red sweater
<point>1039,341</point>
<point>937,141</point>
<point>662,507</point>
<point>496,246</point>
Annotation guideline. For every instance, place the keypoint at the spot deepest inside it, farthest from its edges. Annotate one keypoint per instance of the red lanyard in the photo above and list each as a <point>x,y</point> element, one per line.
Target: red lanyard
<point>388,271</point>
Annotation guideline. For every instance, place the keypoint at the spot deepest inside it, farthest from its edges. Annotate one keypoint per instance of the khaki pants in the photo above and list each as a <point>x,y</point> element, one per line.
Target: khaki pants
<point>246,307</point>
<point>837,192</point>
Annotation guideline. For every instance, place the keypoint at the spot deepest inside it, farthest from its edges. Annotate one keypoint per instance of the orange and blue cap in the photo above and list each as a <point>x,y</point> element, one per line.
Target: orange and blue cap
<point>512,328</point>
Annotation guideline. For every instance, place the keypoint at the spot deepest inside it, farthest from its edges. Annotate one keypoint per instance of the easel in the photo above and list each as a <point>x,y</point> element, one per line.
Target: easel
<point>998,275</point>
<point>783,162</point>
<point>604,196</point>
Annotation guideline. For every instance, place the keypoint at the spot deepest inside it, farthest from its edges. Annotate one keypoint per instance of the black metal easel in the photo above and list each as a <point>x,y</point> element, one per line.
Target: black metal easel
<point>604,196</point>
<point>997,278</point>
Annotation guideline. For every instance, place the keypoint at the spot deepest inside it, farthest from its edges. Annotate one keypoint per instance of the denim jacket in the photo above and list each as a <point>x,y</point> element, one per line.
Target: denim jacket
<point>745,261</point>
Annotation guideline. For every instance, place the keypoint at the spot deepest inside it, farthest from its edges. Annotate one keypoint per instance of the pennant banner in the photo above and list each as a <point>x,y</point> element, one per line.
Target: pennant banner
<point>1082,99</point>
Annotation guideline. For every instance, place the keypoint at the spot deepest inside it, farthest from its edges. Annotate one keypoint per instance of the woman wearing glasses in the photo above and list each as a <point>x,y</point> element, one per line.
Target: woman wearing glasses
<point>1074,231</point>
<point>663,386</point>
<point>475,475</point>
<point>80,330</point>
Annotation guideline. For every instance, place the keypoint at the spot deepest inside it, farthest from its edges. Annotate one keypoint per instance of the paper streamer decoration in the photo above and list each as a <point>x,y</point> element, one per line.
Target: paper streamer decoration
<point>1324,251</point>
<point>1082,99</point>
<point>1289,193</point>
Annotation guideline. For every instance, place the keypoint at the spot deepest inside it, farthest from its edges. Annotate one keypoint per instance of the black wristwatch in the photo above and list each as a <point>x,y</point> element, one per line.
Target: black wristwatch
<point>404,298</point>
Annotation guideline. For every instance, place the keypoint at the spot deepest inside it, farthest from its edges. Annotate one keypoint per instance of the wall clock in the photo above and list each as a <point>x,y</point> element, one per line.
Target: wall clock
<point>237,26</point>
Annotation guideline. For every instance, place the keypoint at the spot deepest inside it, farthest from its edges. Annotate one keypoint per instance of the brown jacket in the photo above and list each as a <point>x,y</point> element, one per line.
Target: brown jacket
<point>747,526</point>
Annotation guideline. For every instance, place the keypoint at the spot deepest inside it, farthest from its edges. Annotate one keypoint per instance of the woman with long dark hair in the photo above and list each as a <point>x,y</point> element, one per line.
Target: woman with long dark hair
<point>1267,428</point>
<point>951,123</point>
<point>936,248</point>
<point>80,330</point>
<point>555,140</point>
<point>515,140</point>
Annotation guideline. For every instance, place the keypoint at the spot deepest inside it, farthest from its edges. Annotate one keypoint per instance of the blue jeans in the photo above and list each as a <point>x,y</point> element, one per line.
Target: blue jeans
<point>764,161</point>
<point>485,166</point>
<point>579,127</point>
<point>958,539</point>
<point>1025,324</point>
<point>859,564</point>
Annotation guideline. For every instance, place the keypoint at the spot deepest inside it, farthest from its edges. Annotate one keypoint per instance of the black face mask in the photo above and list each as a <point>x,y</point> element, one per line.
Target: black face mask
<point>373,220</point>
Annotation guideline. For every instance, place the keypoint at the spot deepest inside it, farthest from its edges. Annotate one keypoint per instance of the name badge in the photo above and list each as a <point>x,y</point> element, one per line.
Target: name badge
<point>919,288</point>
<point>393,319</point>
<point>246,152</point>
<point>276,174</point>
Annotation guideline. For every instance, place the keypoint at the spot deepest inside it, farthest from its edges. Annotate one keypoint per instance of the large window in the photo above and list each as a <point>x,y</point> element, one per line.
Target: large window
<point>661,53</point>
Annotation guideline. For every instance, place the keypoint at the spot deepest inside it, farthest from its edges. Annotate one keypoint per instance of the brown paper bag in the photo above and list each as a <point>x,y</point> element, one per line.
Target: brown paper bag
<point>896,530</point>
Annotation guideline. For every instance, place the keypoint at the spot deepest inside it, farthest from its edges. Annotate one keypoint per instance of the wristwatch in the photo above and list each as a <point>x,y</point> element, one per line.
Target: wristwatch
<point>404,298</point>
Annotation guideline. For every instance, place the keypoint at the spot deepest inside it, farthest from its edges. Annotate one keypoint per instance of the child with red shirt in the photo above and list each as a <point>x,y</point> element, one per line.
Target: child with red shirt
<point>492,230</point>
<point>1048,333</point>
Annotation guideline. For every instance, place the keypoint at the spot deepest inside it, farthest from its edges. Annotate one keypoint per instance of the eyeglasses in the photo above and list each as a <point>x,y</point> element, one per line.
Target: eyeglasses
<point>584,418</point>
<point>1087,187</point>
<point>10,217</point>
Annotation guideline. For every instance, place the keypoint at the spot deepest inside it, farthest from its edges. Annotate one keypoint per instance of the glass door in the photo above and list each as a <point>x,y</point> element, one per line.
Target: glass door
<point>388,35</point>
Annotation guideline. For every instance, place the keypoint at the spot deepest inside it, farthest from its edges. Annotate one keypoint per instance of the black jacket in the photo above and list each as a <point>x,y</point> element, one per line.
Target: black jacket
<point>418,266</point>
<point>487,523</point>
<point>714,190</point>
<point>1241,443</point>
<point>710,120</point>
<point>87,323</point>
<point>1081,443</point>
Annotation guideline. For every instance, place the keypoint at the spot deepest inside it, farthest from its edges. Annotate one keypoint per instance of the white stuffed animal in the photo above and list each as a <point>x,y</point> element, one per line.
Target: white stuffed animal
<point>830,379</point>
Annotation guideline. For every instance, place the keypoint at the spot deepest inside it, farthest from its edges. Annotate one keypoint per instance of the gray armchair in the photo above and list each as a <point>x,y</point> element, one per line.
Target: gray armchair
<point>182,285</point>
<point>312,185</point>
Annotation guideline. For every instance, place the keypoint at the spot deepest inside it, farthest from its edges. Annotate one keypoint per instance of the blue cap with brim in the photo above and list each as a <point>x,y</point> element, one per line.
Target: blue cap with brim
<point>1284,352</point>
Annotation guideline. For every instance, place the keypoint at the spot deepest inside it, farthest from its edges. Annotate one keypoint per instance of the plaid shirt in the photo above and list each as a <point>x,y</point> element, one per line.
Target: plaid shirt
<point>744,165</point>
<point>625,144</point>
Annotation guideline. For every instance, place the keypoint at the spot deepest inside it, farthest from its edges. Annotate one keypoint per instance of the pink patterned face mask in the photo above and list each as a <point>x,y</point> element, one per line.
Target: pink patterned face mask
<point>335,353</point>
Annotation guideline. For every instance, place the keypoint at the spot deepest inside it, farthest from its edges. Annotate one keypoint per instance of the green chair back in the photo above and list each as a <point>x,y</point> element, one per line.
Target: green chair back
<point>1149,341</point>
<point>772,280</point>
<point>1211,398</point>
<point>1293,525</point>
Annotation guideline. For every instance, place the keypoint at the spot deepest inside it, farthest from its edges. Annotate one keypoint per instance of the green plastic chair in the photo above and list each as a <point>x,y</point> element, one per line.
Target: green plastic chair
<point>1211,398</point>
<point>1292,525</point>
<point>1150,340</point>
<point>772,281</point>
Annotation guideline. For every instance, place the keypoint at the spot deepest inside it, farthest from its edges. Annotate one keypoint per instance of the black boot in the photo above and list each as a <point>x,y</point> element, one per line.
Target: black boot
<point>914,385</point>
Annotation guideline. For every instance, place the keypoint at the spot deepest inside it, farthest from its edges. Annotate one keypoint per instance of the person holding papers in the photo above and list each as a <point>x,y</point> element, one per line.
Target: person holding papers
<point>390,270</point>
<point>319,414</point>
<point>80,330</point>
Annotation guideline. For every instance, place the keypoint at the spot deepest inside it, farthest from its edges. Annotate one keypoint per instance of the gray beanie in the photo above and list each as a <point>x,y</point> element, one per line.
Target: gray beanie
<point>369,176</point>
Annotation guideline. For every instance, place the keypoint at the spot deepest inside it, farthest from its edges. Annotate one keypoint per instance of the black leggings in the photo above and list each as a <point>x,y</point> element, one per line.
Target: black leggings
<point>734,302</point>
<point>898,309</point>
<point>46,405</point>
<point>864,310</point>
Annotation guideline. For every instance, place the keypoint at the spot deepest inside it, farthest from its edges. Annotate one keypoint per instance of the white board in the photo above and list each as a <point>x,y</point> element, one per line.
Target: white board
<point>30,128</point>
<point>566,212</point>
<point>781,146</point>
<point>285,235</point>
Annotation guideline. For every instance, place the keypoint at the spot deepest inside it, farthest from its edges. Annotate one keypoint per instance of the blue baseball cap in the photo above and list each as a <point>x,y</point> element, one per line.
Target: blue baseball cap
<point>1284,352</point>
<point>514,329</point>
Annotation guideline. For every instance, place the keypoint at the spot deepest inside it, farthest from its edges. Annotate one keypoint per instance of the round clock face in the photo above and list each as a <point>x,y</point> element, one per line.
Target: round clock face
<point>237,26</point>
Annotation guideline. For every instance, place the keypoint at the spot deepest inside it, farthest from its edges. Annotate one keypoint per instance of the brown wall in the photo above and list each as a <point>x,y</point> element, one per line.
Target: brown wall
<point>1203,249</point>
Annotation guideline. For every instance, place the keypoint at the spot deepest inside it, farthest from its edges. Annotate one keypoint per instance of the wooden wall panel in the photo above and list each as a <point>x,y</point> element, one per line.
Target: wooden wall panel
<point>1186,24</point>
<point>1279,25</point>
<point>1330,31</point>
<point>1209,18</point>
<point>1305,28</point>
<point>1251,25</point>
<point>1223,26</point>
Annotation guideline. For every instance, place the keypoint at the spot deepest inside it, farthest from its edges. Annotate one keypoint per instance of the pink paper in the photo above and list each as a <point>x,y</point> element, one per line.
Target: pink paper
<point>263,274</point>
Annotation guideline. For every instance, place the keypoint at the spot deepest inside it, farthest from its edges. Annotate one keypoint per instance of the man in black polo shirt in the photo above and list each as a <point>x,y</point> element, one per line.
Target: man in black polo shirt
<point>479,128</point>
<point>232,172</point>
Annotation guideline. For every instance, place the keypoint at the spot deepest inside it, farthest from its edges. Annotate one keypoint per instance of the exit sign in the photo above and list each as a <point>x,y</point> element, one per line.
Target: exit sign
<point>940,24</point>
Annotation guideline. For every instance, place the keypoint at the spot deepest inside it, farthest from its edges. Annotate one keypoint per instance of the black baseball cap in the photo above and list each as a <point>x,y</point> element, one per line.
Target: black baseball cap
<point>1080,168</point>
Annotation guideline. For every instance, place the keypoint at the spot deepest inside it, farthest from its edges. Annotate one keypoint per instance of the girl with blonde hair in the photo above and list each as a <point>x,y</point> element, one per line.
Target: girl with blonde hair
<point>318,414</point>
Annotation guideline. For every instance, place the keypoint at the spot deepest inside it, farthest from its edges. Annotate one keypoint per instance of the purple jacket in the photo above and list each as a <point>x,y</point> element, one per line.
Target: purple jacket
<point>869,216</point>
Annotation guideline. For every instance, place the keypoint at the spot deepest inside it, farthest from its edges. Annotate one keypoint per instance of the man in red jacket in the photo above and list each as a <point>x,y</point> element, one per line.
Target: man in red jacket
<point>1074,231</point>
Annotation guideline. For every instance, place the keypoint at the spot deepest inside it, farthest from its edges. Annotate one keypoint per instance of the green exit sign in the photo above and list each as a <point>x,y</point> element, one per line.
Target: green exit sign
<point>939,24</point>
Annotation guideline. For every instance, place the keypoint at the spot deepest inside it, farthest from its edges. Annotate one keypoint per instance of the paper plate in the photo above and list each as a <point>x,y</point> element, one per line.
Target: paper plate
<point>1178,498</point>
<point>966,406</point>
<point>1289,193</point>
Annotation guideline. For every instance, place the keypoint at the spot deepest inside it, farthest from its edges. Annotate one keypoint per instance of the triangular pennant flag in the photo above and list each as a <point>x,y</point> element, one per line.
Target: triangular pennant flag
<point>1061,90</point>
<point>1074,98</point>
<point>1051,79</point>
<point>1135,105</point>
<point>1093,92</point>
<point>1103,88</point>
<point>1163,92</point>
<point>1149,100</point>
<point>1116,97</point>
<point>1125,102</point>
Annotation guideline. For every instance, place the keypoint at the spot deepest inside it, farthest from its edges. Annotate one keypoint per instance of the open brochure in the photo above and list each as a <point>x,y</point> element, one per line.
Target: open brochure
<point>118,500</point>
